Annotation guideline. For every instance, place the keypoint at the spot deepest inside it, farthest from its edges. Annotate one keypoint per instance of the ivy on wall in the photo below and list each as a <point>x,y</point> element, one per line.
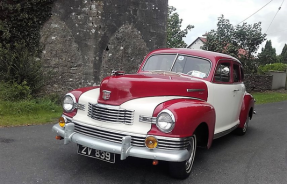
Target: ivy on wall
<point>20,24</point>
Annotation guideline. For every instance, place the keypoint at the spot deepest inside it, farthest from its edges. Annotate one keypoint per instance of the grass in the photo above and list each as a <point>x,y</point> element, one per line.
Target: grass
<point>270,96</point>
<point>28,112</point>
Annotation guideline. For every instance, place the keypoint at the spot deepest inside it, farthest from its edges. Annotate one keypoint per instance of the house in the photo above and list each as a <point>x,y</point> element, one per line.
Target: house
<point>197,43</point>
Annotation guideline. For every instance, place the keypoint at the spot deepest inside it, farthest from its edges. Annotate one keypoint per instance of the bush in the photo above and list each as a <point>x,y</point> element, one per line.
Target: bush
<point>15,91</point>
<point>20,24</point>
<point>20,66</point>
<point>272,67</point>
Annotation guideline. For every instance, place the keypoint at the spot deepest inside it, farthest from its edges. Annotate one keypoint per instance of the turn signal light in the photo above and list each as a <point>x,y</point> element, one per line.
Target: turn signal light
<point>59,137</point>
<point>62,121</point>
<point>155,162</point>
<point>151,142</point>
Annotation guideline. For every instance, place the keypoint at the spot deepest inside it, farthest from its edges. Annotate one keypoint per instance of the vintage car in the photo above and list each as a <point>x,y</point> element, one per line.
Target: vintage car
<point>178,100</point>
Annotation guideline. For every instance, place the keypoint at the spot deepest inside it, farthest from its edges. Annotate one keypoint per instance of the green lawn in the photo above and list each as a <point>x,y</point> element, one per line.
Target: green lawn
<point>28,112</point>
<point>270,96</point>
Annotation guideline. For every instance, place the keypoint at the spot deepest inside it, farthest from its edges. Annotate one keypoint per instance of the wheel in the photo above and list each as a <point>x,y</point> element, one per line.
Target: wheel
<point>182,170</point>
<point>242,131</point>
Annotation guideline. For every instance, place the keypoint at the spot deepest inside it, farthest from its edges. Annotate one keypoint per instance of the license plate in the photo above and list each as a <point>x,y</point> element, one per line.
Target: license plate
<point>98,154</point>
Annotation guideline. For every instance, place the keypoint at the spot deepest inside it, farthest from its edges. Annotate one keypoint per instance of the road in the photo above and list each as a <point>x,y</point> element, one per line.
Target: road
<point>30,154</point>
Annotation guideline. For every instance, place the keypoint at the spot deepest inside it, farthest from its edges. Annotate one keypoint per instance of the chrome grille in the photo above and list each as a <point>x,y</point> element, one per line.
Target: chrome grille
<point>136,140</point>
<point>110,114</point>
<point>108,135</point>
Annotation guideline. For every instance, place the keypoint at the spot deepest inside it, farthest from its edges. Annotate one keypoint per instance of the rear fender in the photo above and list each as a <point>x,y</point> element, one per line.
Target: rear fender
<point>246,109</point>
<point>189,114</point>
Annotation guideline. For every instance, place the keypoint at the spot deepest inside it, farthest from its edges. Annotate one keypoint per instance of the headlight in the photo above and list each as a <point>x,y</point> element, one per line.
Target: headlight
<point>165,121</point>
<point>69,102</point>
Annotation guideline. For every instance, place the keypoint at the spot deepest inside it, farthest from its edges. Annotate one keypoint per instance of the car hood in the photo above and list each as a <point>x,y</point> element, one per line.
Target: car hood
<point>123,88</point>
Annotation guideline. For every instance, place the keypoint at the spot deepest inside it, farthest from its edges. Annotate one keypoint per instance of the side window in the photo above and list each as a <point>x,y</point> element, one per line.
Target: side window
<point>236,73</point>
<point>242,74</point>
<point>222,73</point>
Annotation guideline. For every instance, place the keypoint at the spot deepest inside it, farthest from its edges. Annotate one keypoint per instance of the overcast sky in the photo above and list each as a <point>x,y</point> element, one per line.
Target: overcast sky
<point>203,15</point>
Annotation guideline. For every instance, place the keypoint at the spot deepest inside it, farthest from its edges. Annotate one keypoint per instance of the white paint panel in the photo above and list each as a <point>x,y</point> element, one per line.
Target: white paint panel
<point>140,106</point>
<point>227,104</point>
<point>90,96</point>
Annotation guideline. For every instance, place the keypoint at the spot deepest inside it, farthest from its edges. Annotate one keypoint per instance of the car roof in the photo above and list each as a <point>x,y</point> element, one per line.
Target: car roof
<point>194,52</point>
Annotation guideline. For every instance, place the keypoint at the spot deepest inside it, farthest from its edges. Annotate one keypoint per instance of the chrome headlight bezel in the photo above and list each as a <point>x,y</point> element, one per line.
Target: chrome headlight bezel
<point>170,123</point>
<point>69,102</point>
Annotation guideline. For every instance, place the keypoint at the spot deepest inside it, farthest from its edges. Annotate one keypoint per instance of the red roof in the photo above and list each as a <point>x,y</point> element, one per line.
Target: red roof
<point>202,39</point>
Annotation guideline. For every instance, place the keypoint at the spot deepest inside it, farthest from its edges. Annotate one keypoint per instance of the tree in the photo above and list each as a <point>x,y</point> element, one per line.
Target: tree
<point>232,40</point>
<point>174,32</point>
<point>283,55</point>
<point>20,24</point>
<point>268,54</point>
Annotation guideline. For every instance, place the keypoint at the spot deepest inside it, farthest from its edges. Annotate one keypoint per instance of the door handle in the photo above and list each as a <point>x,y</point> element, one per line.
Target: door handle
<point>235,90</point>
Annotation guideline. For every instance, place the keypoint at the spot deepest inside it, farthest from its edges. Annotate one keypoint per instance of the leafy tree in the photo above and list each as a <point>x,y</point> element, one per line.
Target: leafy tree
<point>230,39</point>
<point>268,54</point>
<point>241,41</point>
<point>174,32</point>
<point>20,24</point>
<point>283,55</point>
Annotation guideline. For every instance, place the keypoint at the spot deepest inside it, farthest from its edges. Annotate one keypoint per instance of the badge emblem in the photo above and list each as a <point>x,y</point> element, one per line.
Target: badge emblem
<point>106,94</point>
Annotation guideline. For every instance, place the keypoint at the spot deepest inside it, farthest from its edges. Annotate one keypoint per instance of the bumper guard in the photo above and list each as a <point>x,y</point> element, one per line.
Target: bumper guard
<point>125,149</point>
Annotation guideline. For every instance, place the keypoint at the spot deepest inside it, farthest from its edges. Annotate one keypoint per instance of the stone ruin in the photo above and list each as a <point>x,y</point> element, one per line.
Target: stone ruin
<point>84,40</point>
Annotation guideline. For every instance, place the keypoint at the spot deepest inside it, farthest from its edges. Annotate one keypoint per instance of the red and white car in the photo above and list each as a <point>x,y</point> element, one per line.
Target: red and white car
<point>179,99</point>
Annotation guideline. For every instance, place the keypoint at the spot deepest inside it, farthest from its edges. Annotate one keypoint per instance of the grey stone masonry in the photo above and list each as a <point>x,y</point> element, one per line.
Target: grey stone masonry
<point>255,82</point>
<point>84,40</point>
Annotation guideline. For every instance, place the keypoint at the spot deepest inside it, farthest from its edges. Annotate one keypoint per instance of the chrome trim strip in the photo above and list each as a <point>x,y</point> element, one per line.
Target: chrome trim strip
<point>110,114</point>
<point>133,134</point>
<point>220,134</point>
<point>174,61</point>
<point>108,106</point>
<point>137,140</point>
<point>80,106</point>
<point>109,130</point>
<point>146,119</point>
<point>194,90</point>
<point>124,148</point>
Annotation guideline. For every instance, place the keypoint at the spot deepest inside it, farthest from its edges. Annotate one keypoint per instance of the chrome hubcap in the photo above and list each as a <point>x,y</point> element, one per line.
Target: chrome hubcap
<point>245,125</point>
<point>189,162</point>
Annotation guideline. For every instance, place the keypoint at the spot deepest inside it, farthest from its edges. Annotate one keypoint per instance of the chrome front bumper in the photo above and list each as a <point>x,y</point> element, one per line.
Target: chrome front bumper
<point>124,149</point>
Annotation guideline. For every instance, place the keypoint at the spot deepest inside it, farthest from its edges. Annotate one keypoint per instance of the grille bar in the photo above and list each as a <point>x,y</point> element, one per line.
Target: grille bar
<point>112,115</point>
<point>168,143</point>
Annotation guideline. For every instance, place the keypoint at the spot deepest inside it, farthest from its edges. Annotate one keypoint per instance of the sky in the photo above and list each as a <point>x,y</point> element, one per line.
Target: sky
<point>203,14</point>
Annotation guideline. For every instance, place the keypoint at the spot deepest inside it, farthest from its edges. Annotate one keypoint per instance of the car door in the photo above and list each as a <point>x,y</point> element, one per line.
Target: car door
<point>239,89</point>
<point>225,96</point>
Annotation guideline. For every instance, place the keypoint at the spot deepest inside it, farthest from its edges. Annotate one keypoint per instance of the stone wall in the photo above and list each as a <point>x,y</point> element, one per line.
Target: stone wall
<point>258,82</point>
<point>84,40</point>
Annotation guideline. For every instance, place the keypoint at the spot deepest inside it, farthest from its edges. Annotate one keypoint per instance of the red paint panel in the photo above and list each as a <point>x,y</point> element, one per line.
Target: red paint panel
<point>189,114</point>
<point>247,104</point>
<point>128,87</point>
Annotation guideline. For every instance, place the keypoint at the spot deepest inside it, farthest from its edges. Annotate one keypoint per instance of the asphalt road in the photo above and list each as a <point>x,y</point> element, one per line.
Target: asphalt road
<point>30,154</point>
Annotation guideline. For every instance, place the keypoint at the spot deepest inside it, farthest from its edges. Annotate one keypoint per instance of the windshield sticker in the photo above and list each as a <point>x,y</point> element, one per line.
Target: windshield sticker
<point>198,74</point>
<point>180,58</point>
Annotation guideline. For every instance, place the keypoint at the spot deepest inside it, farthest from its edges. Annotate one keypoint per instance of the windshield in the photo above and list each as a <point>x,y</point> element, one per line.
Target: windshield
<point>179,64</point>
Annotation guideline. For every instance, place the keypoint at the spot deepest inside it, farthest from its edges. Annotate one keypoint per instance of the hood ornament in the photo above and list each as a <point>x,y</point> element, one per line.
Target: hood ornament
<point>116,72</point>
<point>106,94</point>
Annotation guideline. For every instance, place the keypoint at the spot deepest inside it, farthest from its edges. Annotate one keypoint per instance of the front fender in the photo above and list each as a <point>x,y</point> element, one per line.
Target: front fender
<point>247,105</point>
<point>189,114</point>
